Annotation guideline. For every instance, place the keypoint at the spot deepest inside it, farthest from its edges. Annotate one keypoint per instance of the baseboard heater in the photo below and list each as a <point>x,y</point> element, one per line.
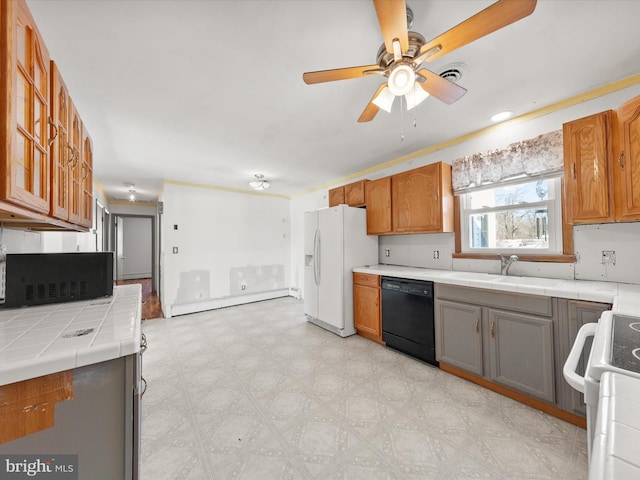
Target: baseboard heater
<point>215,303</point>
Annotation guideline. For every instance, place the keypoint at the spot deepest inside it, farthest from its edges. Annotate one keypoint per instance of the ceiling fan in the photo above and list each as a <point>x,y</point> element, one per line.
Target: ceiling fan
<point>401,56</point>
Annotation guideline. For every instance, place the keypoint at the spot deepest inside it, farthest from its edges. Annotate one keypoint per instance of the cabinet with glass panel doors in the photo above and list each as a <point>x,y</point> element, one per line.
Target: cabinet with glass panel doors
<point>24,134</point>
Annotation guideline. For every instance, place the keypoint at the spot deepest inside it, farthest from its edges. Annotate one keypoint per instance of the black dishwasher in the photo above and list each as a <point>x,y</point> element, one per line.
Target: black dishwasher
<point>407,317</point>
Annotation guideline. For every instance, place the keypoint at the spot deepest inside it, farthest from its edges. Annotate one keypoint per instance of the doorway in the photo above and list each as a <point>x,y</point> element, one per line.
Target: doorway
<point>135,258</point>
<point>134,247</point>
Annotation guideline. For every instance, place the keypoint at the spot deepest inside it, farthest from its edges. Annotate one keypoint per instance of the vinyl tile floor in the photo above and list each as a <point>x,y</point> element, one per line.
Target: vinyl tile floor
<point>256,392</point>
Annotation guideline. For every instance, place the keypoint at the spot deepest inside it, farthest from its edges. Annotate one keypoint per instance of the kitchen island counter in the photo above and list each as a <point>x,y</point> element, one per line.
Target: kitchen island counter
<point>41,340</point>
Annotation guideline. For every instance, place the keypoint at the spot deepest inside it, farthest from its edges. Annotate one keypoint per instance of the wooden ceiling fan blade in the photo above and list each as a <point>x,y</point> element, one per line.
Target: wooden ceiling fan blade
<point>371,110</point>
<point>392,17</point>
<point>439,87</point>
<point>492,18</point>
<point>322,76</point>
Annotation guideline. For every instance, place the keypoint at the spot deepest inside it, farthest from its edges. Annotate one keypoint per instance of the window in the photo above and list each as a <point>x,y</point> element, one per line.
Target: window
<point>524,217</point>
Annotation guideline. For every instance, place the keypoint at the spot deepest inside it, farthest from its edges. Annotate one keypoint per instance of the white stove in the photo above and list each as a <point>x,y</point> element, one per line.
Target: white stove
<point>615,350</point>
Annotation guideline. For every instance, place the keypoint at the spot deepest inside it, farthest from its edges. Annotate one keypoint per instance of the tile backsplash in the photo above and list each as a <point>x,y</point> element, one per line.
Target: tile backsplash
<point>426,250</point>
<point>622,238</point>
<point>435,250</point>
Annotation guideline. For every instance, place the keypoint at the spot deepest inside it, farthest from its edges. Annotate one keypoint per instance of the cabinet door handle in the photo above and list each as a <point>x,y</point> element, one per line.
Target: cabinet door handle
<point>477,325</point>
<point>493,329</point>
<point>55,129</point>
<point>73,155</point>
<point>144,383</point>
<point>620,160</point>
<point>573,170</point>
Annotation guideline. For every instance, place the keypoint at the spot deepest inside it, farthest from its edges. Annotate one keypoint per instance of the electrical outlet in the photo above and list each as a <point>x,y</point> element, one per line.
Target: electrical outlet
<point>387,252</point>
<point>175,249</point>
<point>244,287</point>
<point>436,254</point>
<point>608,257</point>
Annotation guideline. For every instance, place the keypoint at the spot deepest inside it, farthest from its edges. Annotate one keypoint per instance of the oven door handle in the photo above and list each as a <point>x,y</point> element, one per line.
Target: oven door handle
<point>569,370</point>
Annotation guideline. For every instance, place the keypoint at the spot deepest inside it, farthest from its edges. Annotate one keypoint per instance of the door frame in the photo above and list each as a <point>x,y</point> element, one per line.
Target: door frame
<point>154,248</point>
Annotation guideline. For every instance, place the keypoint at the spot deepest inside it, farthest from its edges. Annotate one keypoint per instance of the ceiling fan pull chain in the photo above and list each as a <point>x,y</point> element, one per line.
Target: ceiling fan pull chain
<point>401,120</point>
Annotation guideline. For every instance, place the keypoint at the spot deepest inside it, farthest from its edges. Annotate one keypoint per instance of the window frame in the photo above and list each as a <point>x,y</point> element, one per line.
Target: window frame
<point>554,214</point>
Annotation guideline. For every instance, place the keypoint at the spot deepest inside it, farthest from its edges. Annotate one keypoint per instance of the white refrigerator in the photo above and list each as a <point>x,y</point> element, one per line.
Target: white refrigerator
<point>335,242</point>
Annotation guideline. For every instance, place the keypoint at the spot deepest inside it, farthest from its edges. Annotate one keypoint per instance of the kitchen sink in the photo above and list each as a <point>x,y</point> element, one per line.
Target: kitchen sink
<point>532,281</point>
<point>483,277</point>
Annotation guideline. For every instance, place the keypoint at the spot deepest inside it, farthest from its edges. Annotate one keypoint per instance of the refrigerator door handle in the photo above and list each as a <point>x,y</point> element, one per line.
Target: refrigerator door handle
<point>315,257</point>
<point>318,257</point>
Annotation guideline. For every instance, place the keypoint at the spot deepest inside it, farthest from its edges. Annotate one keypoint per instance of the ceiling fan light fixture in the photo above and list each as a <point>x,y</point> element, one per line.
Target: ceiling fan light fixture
<point>401,80</point>
<point>385,99</point>
<point>259,183</point>
<point>415,97</point>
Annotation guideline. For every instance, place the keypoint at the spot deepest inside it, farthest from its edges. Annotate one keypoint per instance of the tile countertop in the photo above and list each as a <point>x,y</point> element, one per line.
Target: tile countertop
<point>624,297</point>
<point>616,454</point>
<point>44,339</point>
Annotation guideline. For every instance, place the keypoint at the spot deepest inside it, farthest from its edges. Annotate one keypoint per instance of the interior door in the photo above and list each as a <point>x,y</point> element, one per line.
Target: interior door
<point>137,248</point>
<point>119,247</point>
<point>330,295</point>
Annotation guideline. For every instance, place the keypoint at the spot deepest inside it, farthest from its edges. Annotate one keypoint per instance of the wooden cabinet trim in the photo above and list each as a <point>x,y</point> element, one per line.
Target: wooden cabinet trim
<point>521,257</point>
<point>520,397</point>
<point>29,406</point>
<point>366,279</point>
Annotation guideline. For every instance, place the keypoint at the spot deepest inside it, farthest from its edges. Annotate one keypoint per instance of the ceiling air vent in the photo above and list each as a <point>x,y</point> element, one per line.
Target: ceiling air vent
<point>453,72</point>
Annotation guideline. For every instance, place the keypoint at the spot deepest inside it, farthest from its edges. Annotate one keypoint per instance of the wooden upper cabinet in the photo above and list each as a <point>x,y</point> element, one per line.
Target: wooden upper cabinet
<point>336,196</point>
<point>378,194</point>
<point>627,167</point>
<point>60,148</point>
<point>86,180</point>
<point>355,194</point>
<point>24,109</point>
<point>422,200</point>
<point>75,170</point>
<point>587,158</point>
<point>352,194</point>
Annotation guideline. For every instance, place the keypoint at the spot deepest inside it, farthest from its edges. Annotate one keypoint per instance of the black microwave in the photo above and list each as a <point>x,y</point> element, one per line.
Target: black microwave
<point>41,278</point>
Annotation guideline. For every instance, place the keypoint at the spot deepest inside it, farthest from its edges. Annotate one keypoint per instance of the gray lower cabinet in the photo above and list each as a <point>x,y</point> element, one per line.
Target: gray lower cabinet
<point>515,340</point>
<point>578,313</point>
<point>459,335</point>
<point>521,353</point>
<point>507,338</point>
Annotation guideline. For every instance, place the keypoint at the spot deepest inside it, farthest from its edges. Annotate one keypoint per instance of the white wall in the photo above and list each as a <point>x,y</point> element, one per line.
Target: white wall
<point>24,241</point>
<point>225,240</point>
<point>418,250</point>
<point>20,241</point>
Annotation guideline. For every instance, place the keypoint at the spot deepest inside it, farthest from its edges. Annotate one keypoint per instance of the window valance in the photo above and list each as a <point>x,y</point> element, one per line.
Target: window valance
<point>536,157</point>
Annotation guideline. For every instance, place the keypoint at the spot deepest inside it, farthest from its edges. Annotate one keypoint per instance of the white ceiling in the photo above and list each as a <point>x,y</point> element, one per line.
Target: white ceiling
<point>211,91</point>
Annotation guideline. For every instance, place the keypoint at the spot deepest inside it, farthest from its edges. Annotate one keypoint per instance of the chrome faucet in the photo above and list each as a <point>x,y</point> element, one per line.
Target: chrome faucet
<point>505,263</point>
